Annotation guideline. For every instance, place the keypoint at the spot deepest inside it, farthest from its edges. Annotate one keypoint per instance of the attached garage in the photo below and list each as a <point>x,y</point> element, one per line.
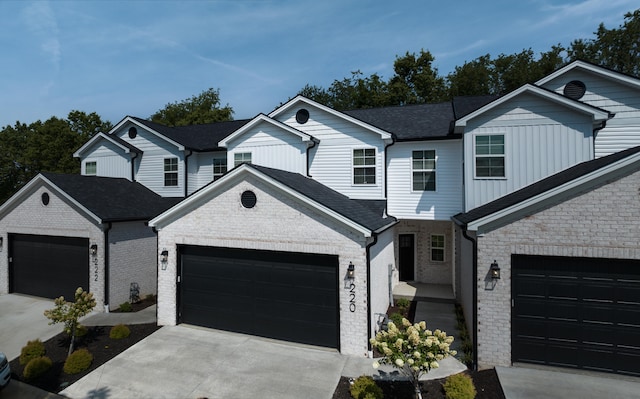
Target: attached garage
<point>48,266</point>
<point>282,295</point>
<point>576,312</point>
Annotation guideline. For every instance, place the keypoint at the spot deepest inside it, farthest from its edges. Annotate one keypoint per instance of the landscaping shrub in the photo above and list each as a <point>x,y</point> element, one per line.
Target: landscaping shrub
<point>81,330</point>
<point>31,350</point>
<point>36,367</point>
<point>459,386</point>
<point>78,361</point>
<point>365,387</point>
<point>403,303</point>
<point>396,318</point>
<point>119,331</point>
<point>125,307</point>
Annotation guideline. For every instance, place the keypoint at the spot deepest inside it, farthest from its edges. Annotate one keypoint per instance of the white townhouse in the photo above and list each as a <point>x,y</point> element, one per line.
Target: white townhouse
<point>297,224</point>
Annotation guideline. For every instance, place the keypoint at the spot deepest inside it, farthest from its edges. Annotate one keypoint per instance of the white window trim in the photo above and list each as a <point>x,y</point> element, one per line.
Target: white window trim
<point>177,172</point>
<point>375,167</point>
<point>213,166</point>
<point>85,167</point>
<point>243,153</point>
<point>444,248</point>
<point>473,144</point>
<point>435,170</point>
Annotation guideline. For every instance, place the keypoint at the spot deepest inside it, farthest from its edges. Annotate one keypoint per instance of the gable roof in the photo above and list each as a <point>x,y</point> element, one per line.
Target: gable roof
<point>559,186</point>
<point>385,135</point>
<point>365,216</point>
<point>430,121</point>
<point>196,137</point>
<point>126,147</point>
<point>262,118</point>
<point>594,69</point>
<point>103,199</point>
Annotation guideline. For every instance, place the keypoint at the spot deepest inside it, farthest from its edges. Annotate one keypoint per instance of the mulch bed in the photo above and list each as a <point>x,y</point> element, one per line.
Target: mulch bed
<point>137,306</point>
<point>485,381</point>
<point>96,341</point>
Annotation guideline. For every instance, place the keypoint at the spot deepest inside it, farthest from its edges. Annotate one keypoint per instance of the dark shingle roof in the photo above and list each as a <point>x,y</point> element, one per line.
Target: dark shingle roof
<point>196,137</point>
<point>543,185</point>
<point>367,213</point>
<point>112,199</point>
<point>421,121</point>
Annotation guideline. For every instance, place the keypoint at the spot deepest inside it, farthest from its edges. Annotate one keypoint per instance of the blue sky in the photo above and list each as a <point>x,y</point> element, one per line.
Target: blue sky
<point>121,58</point>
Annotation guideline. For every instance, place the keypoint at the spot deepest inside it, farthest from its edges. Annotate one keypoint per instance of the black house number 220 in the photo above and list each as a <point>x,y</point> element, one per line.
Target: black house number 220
<point>352,297</point>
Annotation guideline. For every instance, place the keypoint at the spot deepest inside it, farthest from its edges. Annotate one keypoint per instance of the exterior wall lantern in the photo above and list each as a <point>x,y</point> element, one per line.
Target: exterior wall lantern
<point>351,271</point>
<point>495,271</point>
<point>164,258</point>
<point>94,249</point>
<point>1,243</point>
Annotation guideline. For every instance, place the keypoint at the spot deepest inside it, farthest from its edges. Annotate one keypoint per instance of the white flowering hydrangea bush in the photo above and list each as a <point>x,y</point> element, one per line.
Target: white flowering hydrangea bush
<point>412,349</point>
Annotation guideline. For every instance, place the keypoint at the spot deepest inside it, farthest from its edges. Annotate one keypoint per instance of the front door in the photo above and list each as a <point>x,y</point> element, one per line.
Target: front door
<point>406,257</point>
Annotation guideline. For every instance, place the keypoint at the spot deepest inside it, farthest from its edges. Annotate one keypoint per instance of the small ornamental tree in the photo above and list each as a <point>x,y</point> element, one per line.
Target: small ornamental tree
<point>69,313</point>
<point>412,349</point>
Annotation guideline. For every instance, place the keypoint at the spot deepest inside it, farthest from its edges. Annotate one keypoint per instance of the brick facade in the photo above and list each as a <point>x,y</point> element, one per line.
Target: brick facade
<point>602,223</point>
<point>278,222</point>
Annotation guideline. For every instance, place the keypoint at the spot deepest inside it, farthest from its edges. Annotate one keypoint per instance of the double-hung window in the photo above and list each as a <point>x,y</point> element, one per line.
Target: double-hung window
<point>489,152</point>
<point>437,247</point>
<point>219,167</point>
<point>90,168</point>
<point>423,164</point>
<point>364,166</point>
<point>241,157</point>
<point>170,172</point>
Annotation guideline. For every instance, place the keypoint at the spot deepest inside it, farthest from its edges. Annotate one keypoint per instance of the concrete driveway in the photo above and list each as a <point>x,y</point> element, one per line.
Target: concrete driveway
<point>191,362</point>
<point>22,320</point>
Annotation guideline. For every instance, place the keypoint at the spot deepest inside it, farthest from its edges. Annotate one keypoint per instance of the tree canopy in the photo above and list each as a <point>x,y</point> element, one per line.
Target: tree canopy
<point>200,109</point>
<point>415,80</point>
<point>26,150</point>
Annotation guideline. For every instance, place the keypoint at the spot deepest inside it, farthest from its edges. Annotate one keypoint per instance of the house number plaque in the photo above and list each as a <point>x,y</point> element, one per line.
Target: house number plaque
<point>352,297</point>
<point>95,270</point>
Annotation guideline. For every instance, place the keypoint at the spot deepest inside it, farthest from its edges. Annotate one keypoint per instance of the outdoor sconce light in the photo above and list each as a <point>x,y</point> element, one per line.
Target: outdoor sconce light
<point>164,258</point>
<point>495,271</point>
<point>94,249</point>
<point>351,271</point>
<point>1,242</point>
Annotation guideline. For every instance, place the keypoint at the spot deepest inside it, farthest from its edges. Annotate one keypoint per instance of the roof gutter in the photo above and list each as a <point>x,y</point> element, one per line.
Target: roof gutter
<point>133,166</point>
<point>474,289</point>
<point>309,147</point>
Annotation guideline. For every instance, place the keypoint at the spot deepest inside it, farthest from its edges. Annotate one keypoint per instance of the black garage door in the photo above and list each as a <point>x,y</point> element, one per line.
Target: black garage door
<point>576,312</point>
<point>281,295</point>
<point>48,266</point>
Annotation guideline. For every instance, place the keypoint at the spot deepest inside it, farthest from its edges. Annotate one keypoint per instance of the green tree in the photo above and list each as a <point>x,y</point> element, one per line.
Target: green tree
<point>415,80</point>
<point>200,109</point>
<point>618,49</point>
<point>70,312</point>
<point>412,349</point>
<point>26,150</point>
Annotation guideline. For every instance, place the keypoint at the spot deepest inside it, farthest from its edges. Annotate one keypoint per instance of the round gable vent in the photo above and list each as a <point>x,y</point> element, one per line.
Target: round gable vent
<point>575,89</point>
<point>45,199</point>
<point>248,199</point>
<point>133,132</point>
<point>302,116</point>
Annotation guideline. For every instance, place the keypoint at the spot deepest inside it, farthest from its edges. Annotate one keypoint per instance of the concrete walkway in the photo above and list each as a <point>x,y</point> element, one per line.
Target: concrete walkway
<point>534,383</point>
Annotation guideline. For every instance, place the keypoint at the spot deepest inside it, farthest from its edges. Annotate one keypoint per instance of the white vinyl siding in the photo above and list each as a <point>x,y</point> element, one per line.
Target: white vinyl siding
<point>364,166</point>
<point>623,130</point>
<point>331,160</point>
<point>541,139</point>
<point>149,169</point>
<point>91,168</point>
<point>110,159</point>
<point>423,163</point>
<point>404,202</point>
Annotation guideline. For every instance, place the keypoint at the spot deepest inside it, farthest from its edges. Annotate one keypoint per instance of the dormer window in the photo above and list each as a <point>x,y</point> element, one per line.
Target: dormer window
<point>241,157</point>
<point>90,168</point>
<point>364,166</point>
<point>170,172</point>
